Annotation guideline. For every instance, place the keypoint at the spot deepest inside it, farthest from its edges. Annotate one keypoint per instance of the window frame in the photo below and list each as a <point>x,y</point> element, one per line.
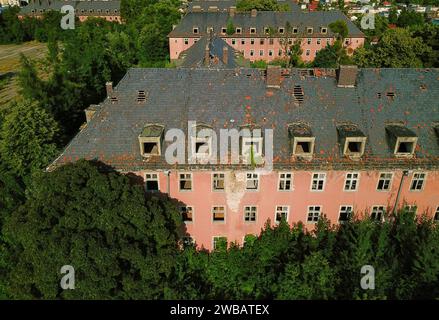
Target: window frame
<point>244,213</point>
<point>424,181</point>
<point>193,214</point>
<point>280,179</point>
<point>276,212</point>
<point>180,180</point>
<point>357,181</point>
<point>252,178</point>
<point>213,215</point>
<point>213,181</point>
<point>383,212</point>
<point>324,181</point>
<point>390,181</point>
<point>350,212</point>
<point>309,211</point>
<point>157,179</point>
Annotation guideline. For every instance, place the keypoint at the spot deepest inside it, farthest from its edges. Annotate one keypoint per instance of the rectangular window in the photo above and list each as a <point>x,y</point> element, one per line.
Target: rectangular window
<point>243,41</point>
<point>295,30</point>
<point>261,41</point>
<point>417,181</point>
<point>280,52</point>
<point>252,30</point>
<point>347,41</point>
<point>345,213</point>
<point>309,30</point>
<point>185,181</point>
<point>384,181</point>
<point>261,52</point>
<point>411,209</point>
<point>238,30</point>
<point>186,41</point>
<point>152,182</point>
<point>187,214</point>
<point>195,30</point>
<point>436,215</point>
<point>250,213</point>
<point>281,213</point>
<point>267,30</point>
<point>252,41</point>
<point>323,30</point>
<point>319,41</point>
<point>314,214</point>
<point>252,182</point>
<point>219,242</point>
<point>281,30</point>
<point>223,30</point>
<point>318,181</point>
<point>218,214</point>
<point>271,41</point>
<point>285,180</point>
<point>233,41</point>
<point>290,41</point>
<point>218,181</point>
<point>351,182</point>
<point>252,53</point>
<point>270,53</point>
<point>308,52</point>
<point>377,213</point>
<point>308,41</point>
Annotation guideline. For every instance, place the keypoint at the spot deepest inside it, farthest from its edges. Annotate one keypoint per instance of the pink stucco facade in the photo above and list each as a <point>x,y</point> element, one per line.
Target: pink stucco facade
<point>266,49</point>
<point>235,197</point>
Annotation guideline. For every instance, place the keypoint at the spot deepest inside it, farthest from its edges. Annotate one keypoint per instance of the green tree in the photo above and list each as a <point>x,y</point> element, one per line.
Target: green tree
<point>230,29</point>
<point>332,56</point>
<point>28,138</point>
<point>121,244</point>
<point>409,18</point>
<point>261,5</point>
<point>340,28</point>
<point>396,49</point>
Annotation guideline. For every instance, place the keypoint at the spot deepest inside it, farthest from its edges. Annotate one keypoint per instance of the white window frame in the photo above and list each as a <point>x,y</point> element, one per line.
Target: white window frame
<point>378,206</point>
<point>319,178</point>
<point>436,215</point>
<point>347,206</point>
<point>252,178</point>
<point>193,214</point>
<point>410,207</point>
<point>197,30</point>
<point>423,179</point>
<point>281,30</point>
<point>186,41</point>
<point>201,156</point>
<point>295,30</point>
<point>308,30</point>
<point>256,214</point>
<point>323,30</point>
<point>284,209</point>
<point>225,214</point>
<point>245,147</point>
<point>385,179</point>
<point>261,51</point>
<point>191,180</point>
<point>223,30</point>
<point>217,237</point>
<point>252,30</point>
<point>314,211</point>
<point>213,181</point>
<point>351,181</point>
<point>285,179</point>
<point>157,179</point>
<point>238,30</point>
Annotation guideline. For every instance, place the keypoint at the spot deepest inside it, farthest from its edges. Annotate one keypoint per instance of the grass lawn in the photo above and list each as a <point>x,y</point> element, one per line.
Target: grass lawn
<point>10,66</point>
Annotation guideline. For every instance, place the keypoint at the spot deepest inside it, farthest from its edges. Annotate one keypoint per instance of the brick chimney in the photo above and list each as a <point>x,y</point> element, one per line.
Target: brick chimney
<point>206,55</point>
<point>254,13</point>
<point>347,76</point>
<point>109,88</point>
<point>232,11</point>
<point>273,76</point>
<point>225,55</point>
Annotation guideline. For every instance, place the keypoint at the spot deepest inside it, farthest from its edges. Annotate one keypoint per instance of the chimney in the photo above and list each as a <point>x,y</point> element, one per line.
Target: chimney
<point>225,55</point>
<point>232,11</point>
<point>254,13</point>
<point>90,111</point>
<point>109,87</point>
<point>273,76</point>
<point>347,76</point>
<point>207,55</point>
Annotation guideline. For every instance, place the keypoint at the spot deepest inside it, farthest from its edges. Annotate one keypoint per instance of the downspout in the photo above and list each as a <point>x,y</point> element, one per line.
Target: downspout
<point>405,173</point>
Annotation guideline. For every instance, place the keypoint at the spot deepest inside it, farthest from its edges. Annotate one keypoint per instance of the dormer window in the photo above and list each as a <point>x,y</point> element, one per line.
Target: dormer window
<point>252,30</point>
<point>309,30</point>
<point>238,30</point>
<point>401,140</point>
<point>251,145</point>
<point>201,142</point>
<point>209,30</point>
<point>323,30</point>
<point>301,140</point>
<point>295,30</point>
<point>267,30</point>
<point>352,140</point>
<point>223,30</point>
<point>195,30</point>
<point>150,140</point>
<point>281,30</point>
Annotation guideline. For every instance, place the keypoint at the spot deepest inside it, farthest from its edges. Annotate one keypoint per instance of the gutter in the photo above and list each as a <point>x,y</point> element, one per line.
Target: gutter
<point>405,173</point>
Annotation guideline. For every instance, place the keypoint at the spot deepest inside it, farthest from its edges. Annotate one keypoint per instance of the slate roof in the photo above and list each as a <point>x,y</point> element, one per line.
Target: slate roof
<point>98,7</point>
<point>298,19</point>
<point>230,98</point>
<point>224,5</point>
<point>194,56</point>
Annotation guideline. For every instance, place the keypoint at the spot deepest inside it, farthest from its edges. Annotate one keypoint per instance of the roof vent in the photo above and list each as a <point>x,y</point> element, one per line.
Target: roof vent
<point>113,99</point>
<point>141,96</point>
<point>298,93</point>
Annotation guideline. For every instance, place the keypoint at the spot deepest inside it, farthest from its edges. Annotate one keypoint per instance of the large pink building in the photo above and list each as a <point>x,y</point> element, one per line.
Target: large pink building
<point>264,35</point>
<point>342,142</point>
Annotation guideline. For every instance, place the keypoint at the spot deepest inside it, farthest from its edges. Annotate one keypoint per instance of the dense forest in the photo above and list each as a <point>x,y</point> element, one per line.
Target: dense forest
<point>124,244</point>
